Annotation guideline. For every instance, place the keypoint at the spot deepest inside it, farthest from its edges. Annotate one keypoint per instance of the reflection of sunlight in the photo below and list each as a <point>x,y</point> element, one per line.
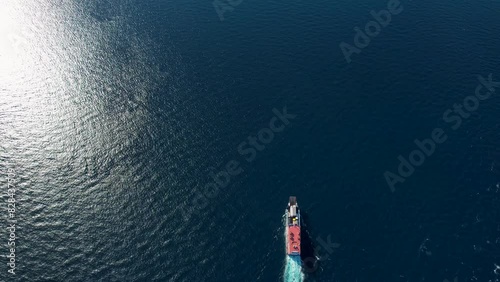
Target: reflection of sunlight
<point>23,105</point>
<point>59,76</point>
<point>10,40</point>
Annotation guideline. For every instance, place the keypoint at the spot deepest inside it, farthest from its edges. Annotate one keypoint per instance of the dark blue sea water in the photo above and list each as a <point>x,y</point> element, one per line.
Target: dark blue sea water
<point>116,115</point>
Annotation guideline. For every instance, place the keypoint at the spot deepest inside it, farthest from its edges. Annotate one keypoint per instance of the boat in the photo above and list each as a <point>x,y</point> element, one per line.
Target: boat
<point>292,226</point>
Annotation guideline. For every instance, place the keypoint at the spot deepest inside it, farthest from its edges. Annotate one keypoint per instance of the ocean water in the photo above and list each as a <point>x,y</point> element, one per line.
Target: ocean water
<point>117,116</point>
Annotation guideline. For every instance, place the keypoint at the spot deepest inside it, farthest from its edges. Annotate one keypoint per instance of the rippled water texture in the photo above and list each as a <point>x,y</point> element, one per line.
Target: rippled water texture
<point>114,115</point>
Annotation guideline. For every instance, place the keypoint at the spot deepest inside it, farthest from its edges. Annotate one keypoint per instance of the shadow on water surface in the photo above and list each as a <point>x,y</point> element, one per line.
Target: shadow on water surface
<point>308,253</point>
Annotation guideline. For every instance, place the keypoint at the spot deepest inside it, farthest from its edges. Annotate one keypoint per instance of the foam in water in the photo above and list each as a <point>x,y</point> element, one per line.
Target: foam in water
<point>293,269</point>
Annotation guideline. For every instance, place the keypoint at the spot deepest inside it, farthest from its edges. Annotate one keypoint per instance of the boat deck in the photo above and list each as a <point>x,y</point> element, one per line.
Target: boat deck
<point>293,247</point>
